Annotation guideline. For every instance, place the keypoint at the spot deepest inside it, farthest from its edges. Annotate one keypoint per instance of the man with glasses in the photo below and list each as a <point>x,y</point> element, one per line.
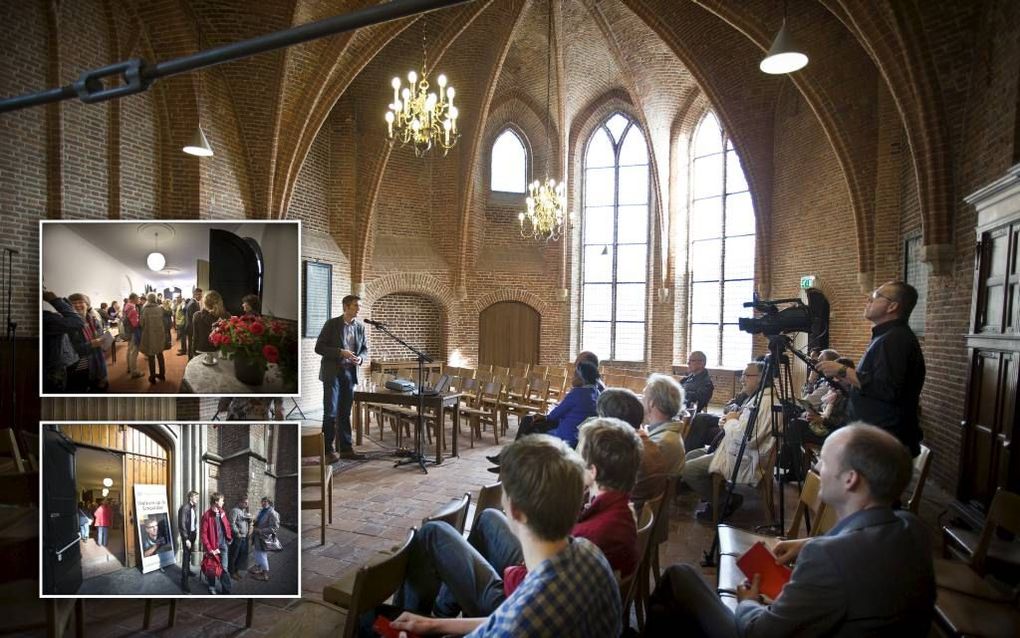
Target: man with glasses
<point>886,386</point>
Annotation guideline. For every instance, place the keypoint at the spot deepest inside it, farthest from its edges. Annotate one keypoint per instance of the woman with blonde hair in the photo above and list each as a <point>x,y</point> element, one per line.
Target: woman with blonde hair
<point>204,320</point>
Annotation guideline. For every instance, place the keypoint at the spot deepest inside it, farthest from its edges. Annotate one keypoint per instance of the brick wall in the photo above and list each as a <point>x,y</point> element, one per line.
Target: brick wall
<point>414,318</point>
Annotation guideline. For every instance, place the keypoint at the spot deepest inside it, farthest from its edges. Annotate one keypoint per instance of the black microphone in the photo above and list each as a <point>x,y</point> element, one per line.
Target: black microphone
<point>373,322</point>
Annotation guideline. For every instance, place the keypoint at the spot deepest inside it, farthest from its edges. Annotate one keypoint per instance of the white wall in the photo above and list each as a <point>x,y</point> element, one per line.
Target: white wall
<point>281,286</point>
<point>71,264</point>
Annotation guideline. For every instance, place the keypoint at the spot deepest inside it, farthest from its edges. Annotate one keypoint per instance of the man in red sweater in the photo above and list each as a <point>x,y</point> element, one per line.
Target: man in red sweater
<point>448,575</point>
<point>216,538</point>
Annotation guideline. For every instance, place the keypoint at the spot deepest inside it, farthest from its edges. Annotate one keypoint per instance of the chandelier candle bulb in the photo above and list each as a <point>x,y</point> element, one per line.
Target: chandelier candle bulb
<point>420,117</point>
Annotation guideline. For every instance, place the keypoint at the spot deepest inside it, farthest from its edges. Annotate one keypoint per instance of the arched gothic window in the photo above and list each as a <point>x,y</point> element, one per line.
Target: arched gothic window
<point>721,231</point>
<point>509,169</point>
<point>614,255</point>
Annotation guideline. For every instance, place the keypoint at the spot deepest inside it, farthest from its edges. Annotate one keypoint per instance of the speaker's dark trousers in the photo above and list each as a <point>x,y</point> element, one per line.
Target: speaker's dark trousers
<point>337,401</point>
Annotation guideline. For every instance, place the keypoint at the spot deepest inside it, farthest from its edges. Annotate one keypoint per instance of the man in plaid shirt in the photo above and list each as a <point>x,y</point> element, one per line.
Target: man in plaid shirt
<point>570,589</point>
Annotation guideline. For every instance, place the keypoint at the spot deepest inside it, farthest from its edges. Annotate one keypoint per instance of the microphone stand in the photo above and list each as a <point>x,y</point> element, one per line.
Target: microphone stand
<point>417,457</point>
<point>10,332</point>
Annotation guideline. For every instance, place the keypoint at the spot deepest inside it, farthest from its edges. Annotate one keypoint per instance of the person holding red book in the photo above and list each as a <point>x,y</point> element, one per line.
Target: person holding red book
<point>870,575</point>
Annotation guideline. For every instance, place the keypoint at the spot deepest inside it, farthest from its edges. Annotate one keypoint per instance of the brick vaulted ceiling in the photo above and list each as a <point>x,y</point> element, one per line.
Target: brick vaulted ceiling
<point>660,56</point>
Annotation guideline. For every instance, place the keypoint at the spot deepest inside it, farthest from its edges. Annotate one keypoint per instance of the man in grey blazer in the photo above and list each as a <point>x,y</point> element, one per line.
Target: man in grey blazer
<point>870,575</point>
<point>343,347</point>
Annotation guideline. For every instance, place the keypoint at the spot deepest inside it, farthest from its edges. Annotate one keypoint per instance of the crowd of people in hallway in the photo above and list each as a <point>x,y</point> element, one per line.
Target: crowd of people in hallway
<point>80,342</point>
<point>549,561</point>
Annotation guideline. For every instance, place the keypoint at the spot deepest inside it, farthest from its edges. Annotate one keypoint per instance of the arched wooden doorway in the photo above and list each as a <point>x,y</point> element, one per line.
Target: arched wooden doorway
<point>509,332</point>
<point>146,458</point>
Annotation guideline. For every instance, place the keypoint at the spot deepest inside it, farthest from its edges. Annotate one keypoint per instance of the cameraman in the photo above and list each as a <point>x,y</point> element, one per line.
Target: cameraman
<point>886,386</point>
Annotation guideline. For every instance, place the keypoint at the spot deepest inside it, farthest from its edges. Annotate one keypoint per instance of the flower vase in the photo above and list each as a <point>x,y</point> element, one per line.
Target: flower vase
<point>249,371</point>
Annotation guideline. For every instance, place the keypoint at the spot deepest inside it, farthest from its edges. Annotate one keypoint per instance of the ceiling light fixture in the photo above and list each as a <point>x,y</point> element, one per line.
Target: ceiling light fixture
<point>156,260</point>
<point>783,56</point>
<point>547,201</point>
<point>420,117</point>
<point>199,145</point>
<point>107,482</point>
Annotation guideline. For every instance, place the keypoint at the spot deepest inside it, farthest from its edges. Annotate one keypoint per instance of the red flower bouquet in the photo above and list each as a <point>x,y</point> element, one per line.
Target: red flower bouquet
<point>258,341</point>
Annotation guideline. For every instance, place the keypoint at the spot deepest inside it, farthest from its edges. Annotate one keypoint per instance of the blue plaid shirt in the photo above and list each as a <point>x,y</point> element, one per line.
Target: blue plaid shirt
<point>571,594</point>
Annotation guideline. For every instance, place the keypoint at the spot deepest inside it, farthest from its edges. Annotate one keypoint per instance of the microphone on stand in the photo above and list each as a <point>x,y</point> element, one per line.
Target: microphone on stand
<point>373,322</point>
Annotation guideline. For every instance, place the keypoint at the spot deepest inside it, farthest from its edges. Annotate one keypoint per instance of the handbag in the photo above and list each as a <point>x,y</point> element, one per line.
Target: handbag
<point>271,542</point>
<point>212,568</point>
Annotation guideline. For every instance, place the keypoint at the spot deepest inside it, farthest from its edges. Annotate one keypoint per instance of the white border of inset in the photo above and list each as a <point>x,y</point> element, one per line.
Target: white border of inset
<point>210,222</point>
<point>298,540</point>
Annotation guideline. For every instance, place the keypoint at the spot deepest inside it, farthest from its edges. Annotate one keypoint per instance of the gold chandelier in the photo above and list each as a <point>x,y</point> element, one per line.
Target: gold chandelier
<point>422,118</point>
<point>546,212</point>
<point>546,215</point>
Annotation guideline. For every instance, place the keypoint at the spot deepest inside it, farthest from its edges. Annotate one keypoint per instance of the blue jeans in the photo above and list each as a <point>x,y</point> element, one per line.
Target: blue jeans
<point>447,574</point>
<point>337,401</point>
<point>84,532</point>
<point>101,535</point>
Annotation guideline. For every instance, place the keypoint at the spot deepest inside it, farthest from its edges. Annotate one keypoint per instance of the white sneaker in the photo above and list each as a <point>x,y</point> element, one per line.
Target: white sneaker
<point>212,591</point>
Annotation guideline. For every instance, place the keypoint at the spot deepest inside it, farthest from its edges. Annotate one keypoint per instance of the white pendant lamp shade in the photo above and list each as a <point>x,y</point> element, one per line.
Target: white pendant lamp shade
<point>198,145</point>
<point>156,261</point>
<point>107,482</point>
<point>783,56</point>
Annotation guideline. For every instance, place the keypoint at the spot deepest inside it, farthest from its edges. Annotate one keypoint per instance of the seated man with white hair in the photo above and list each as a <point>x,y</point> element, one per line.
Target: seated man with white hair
<point>871,575</point>
<point>663,399</point>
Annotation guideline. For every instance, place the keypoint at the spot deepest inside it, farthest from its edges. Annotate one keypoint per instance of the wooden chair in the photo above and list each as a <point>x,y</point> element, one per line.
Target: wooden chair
<point>661,533</point>
<point>734,541</point>
<point>538,395</point>
<point>515,401</point>
<point>455,513</point>
<point>964,543</point>
<point>968,577</point>
<point>922,464</point>
<point>628,583</point>
<point>486,411</point>
<point>642,586</point>
<point>469,401</point>
<point>9,450</point>
<point>317,476</point>
<point>489,496</point>
<point>370,585</point>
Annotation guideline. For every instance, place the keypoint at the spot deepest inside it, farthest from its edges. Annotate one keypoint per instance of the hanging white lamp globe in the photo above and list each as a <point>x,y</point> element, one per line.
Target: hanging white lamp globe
<point>106,491</point>
<point>156,261</point>
<point>107,482</point>
<point>783,56</point>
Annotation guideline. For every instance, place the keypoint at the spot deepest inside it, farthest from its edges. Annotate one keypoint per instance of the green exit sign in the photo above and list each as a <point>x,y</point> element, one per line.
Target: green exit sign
<point>807,281</point>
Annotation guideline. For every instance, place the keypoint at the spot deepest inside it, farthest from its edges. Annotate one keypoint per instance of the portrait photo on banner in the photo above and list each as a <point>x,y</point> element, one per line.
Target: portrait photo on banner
<point>155,539</point>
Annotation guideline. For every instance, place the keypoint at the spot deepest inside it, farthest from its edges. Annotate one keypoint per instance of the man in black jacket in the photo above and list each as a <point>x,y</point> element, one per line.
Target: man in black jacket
<point>343,347</point>
<point>886,386</point>
<point>187,531</point>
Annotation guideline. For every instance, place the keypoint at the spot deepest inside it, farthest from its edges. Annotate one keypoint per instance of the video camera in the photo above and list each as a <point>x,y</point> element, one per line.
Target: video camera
<point>796,317</point>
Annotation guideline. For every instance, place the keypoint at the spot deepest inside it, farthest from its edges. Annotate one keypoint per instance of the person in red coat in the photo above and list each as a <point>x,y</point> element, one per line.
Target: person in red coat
<point>216,538</point>
<point>102,522</point>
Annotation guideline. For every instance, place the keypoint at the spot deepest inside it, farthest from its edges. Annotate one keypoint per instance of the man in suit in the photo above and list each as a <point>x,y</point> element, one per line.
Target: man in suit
<point>193,306</point>
<point>343,347</point>
<point>870,575</point>
<point>187,530</point>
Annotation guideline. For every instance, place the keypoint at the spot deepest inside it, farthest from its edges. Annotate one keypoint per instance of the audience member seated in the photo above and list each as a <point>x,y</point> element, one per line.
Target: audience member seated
<point>663,398</point>
<point>816,387</point>
<point>697,385</point>
<point>654,471</point>
<point>564,420</point>
<point>569,588</point>
<point>706,429</point>
<point>815,425</point>
<point>701,463</point>
<point>592,358</point>
<point>871,575</point>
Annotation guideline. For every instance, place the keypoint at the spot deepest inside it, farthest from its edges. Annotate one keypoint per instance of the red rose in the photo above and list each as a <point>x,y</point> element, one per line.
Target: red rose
<point>257,328</point>
<point>277,328</point>
<point>271,354</point>
<point>235,320</point>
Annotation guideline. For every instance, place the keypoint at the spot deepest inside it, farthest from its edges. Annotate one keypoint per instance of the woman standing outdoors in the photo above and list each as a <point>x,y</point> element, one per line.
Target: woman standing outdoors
<point>153,341</point>
<point>264,530</point>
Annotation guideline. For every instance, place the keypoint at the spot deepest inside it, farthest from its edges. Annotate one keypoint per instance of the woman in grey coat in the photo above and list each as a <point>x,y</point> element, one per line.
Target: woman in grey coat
<point>265,527</point>
<point>153,337</point>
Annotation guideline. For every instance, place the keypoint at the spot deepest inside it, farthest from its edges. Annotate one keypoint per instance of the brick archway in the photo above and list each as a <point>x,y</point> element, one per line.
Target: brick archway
<point>511,294</point>
<point>417,283</point>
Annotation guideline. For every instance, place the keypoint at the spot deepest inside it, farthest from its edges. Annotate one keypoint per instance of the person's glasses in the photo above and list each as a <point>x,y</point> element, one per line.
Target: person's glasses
<point>875,295</point>
<point>748,376</point>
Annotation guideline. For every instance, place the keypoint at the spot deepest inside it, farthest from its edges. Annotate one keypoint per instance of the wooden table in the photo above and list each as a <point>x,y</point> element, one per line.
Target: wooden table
<point>437,402</point>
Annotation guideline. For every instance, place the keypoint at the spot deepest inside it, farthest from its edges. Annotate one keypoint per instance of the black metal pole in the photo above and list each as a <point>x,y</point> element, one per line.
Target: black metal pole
<point>137,75</point>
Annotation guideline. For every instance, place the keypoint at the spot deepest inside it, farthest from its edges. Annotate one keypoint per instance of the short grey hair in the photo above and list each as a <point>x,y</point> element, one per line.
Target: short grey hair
<point>879,457</point>
<point>664,393</point>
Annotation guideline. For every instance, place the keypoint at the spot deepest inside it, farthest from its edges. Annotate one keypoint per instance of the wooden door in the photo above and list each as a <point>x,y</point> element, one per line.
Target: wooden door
<point>235,268</point>
<point>508,334</point>
<point>146,461</point>
<point>61,551</point>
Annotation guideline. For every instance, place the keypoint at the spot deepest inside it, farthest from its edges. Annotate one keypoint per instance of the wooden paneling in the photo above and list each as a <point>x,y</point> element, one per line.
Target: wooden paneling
<point>145,461</point>
<point>509,333</point>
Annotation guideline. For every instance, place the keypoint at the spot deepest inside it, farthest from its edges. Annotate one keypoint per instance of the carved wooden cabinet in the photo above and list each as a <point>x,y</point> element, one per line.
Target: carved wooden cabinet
<point>988,459</point>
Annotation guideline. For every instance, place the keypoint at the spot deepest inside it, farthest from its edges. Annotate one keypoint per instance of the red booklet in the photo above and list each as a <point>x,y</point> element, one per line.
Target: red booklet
<point>759,560</point>
<point>383,628</point>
